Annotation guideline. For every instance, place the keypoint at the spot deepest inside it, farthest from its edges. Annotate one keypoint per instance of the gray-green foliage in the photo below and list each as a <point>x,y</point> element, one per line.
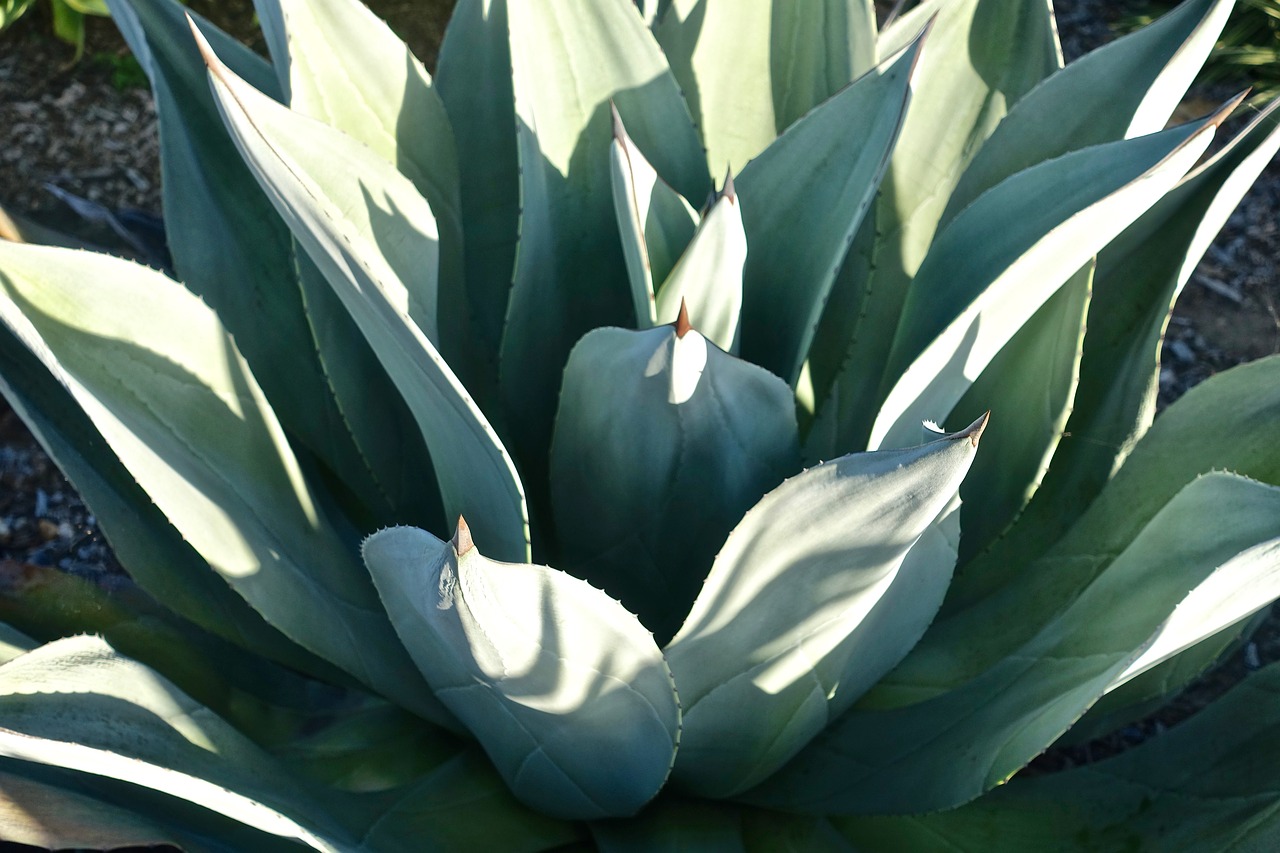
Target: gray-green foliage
<point>663,556</point>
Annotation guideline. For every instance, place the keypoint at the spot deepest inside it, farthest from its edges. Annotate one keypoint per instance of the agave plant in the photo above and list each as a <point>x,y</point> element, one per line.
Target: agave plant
<point>663,554</point>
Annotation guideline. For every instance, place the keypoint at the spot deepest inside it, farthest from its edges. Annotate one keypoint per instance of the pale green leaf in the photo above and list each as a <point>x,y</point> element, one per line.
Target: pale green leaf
<point>751,69</point>
<point>1126,88</point>
<point>1029,387</point>
<point>1140,275</point>
<point>656,222</point>
<point>802,202</point>
<point>474,81</point>
<point>662,442</point>
<point>377,250</point>
<point>768,657</point>
<point>1221,533</point>
<point>228,245</point>
<point>708,277</point>
<point>1207,785</point>
<point>547,672</point>
<point>77,704</point>
<point>993,267</point>
<point>980,58</point>
<point>179,407</point>
<point>570,61</point>
<point>143,539</point>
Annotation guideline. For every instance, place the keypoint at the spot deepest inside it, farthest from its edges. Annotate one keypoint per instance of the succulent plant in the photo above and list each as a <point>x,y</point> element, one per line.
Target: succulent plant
<point>656,552</point>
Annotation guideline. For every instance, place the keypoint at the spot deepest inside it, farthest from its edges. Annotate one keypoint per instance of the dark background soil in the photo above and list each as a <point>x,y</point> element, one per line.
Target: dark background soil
<point>89,129</point>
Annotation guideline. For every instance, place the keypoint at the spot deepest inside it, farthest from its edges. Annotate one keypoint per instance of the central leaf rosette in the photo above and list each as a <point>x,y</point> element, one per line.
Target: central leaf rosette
<point>786,598</point>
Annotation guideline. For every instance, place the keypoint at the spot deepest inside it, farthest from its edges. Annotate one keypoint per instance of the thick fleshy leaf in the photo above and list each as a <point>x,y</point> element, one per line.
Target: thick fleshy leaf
<point>670,826</point>
<point>346,68</point>
<point>656,222</point>
<point>707,280</point>
<point>548,673</point>
<point>1243,403</point>
<point>982,56</point>
<point>750,70</point>
<point>13,643</point>
<point>228,245</point>
<point>48,816</point>
<point>569,61</point>
<point>474,81</point>
<point>1126,88</point>
<point>1139,277</point>
<point>1219,535</point>
<point>77,704</point>
<point>461,805</point>
<point>766,658</point>
<point>662,442</point>
<point>803,199</point>
<point>156,554</point>
<point>1029,386</point>
<point>377,251</point>
<point>179,407</point>
<point>1208,784</point>
<point>993,267</point>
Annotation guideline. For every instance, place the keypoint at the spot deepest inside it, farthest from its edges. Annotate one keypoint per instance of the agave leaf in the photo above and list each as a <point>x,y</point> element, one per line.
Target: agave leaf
<point>267,702</point>
<point>816,180</point>
<point>216,462</point>
<point>570,60</point>
<point>461,805</point>
<point>474,81</point>
<point>143,539</point>
<point>546,671</point>
<point>749,70</point>
<point>670,826</point>
<point>765,659</point>
<point>972,294</point>
<point>77,704</point>
<point>982,56</point>
<point>228,245</point>
<point>371,248</point>
<point>655,221</point>
<point>1207,784</point>
<point>707,280</point>
<point>13,643</point>
<point>1126,88</point>
<point>945,751</point>
<point>82,821</point>
<point>349,70</point>
<point>1032,383</point>
<point>1243,402</point>
<point>1140,275</point>
<point>662,442</point>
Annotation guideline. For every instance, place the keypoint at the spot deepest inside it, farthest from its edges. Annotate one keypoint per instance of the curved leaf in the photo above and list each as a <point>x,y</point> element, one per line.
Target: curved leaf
<point>708,277</point>
<point>1040,226</point>
<point>570,60</point>
<point>1208,784</point>
<point>1125,88</point>
<point>662,442</point>
<point>79,705</point>
<point>377,249</point>
<point>750,70</point>
<point>766,658</point>
<point>1140,275</point>
<point>945,751</point>
<point>655,221</point>
<point>548,673</point>
<point>1030,386</point>
<point>803,199</point>
<point>982,56</point>
<point>179,407</point>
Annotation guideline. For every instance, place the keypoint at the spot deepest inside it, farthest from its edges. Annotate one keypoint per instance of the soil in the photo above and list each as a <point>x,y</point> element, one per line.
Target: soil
<point>89,129</point>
